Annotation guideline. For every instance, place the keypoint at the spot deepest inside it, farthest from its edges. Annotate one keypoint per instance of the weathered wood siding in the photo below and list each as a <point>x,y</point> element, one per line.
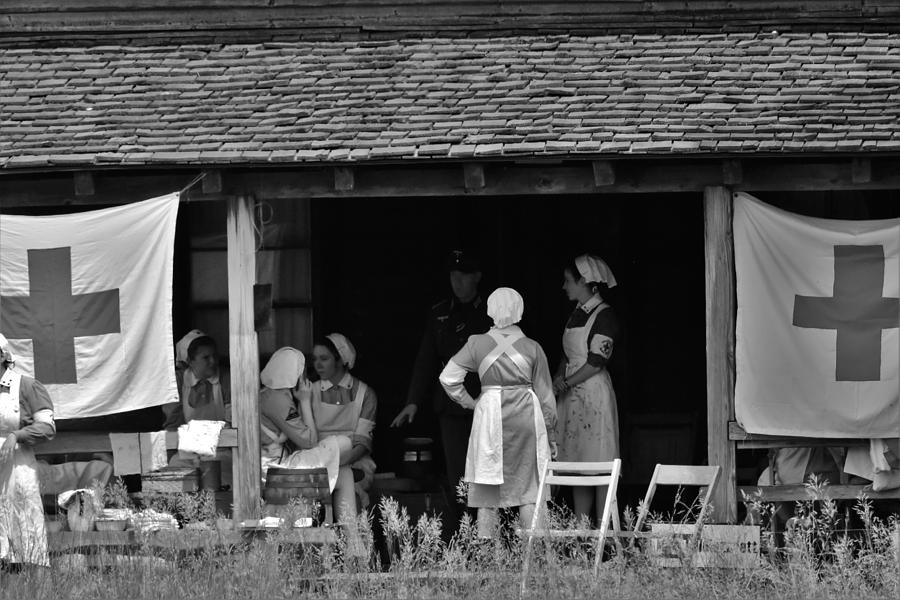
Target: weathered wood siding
<point>235,20</point>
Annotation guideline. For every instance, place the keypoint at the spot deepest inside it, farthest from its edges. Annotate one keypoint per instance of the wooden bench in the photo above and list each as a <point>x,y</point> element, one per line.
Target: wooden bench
<point>90,442</point>
<point>180,539</point>
<point>84,442</point>
<point>796,492</point>
<point>67,443</point>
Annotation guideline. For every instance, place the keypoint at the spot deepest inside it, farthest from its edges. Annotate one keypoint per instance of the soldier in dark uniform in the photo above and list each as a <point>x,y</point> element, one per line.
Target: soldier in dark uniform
<point>450,323</point>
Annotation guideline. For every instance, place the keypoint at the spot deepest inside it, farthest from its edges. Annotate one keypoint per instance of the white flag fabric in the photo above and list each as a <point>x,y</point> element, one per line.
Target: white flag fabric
<point>817,324</point>
<point>86,303</point>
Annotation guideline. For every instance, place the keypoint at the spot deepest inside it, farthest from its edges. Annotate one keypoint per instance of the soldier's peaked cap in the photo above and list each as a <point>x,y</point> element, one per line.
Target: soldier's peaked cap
<point>464,261</point>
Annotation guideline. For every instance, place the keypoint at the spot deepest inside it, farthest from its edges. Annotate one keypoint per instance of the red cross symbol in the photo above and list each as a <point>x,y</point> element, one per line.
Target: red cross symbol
<point>856,310</point>
<point>51,316</point>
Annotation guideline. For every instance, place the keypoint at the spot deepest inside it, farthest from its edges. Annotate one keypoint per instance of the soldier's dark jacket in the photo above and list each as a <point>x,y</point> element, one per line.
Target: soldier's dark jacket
<point>450,323</point>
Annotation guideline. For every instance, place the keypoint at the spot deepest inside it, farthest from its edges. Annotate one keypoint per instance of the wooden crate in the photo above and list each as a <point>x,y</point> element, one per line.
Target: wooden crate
<point>170,480</point>
<point>729,546</point>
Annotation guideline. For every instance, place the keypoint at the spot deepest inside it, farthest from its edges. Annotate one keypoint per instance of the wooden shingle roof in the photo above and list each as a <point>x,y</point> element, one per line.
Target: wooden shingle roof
<point>450,98</point>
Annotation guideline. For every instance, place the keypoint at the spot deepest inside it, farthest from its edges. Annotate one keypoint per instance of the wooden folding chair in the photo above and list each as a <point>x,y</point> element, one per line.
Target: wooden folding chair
<point>593,474</point>
<point>680,475</point>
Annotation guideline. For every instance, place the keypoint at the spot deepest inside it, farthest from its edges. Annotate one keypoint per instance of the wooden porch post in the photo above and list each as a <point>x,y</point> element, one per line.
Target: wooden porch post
<point>244,356</point>
<point>720,314</point>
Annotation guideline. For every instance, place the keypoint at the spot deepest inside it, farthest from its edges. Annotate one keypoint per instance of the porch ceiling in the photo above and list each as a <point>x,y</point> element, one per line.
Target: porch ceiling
<point>364,101</point>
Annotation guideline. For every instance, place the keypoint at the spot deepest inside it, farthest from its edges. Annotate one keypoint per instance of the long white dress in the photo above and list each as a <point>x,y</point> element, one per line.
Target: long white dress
<point>23,537</point>
<point>514,420</point>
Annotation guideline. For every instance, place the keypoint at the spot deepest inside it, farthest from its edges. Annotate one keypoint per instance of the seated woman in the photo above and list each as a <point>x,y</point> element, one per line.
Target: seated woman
<point>287,430</point>
<point>795,466</point>
<point>878,463</point>
<point>204,390</point>
<point>342,405</point>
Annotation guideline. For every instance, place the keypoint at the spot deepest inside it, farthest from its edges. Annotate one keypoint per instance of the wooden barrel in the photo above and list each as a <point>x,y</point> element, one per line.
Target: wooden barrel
<point>284,484</point>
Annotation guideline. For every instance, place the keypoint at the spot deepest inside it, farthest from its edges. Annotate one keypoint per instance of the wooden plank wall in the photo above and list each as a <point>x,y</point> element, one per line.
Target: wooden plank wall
<point>244,20</point>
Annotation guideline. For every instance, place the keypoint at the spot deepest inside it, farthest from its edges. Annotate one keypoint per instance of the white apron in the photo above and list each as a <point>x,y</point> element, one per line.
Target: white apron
<point>344,418</point>
<point>588,424</point>
<point>327,453</point>
<point>484,459</point>
<point>23,537</point>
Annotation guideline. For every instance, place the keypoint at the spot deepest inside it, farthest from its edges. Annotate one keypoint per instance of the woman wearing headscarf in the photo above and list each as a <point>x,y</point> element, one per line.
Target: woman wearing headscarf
<point>588,427</point>
<point>26,419</point>
<point>513,429</point>
<point>287,429</point>
<point>342,405</point>
<point>204,389</point>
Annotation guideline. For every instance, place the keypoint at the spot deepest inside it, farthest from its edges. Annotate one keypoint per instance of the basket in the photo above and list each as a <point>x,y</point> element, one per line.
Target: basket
<point>111,524</point>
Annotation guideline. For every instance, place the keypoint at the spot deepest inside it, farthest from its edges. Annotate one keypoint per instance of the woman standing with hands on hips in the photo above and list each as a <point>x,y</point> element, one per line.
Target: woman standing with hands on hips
<point>588,427</point>
<point>513,428</point>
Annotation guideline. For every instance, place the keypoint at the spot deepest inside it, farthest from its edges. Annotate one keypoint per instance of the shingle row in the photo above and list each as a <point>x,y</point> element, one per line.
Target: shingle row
<point>440,98</point>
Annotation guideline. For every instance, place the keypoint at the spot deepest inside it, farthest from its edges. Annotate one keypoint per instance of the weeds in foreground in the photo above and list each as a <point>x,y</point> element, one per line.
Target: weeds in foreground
<point>410,560</point>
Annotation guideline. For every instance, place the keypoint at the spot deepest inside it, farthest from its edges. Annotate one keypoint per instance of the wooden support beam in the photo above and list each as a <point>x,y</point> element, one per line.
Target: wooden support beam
<point>720,314</point>
<point>897,545</point>
<point>604,173</point>
<point>861,170</point>
<point>84,184</point>
<point>442,179</point>
<point>732,172</point>
<point>344,179</point>
<point>473,176</point>
<point>243,352</point>
<point>212,182</point>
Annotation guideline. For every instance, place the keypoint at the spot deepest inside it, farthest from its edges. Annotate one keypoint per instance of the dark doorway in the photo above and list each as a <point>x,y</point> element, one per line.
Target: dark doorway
<point>380,267</point>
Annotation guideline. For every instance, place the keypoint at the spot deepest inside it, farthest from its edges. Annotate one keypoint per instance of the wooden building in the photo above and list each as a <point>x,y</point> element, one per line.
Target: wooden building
<point>345,147</point>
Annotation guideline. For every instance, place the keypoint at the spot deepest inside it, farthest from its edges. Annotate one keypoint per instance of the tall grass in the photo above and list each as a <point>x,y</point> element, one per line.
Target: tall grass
<point>818,560</point>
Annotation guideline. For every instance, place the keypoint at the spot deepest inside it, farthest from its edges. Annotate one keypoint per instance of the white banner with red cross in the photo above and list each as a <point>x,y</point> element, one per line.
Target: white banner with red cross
<point>86,303</point>
<point>817,336</point>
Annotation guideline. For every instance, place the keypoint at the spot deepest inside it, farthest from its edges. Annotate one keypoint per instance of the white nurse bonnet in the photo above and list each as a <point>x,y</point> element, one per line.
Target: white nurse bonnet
<point>344,348</point>
<point>284,369</point>
<point>505,306</point>
<point>595,270</point>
